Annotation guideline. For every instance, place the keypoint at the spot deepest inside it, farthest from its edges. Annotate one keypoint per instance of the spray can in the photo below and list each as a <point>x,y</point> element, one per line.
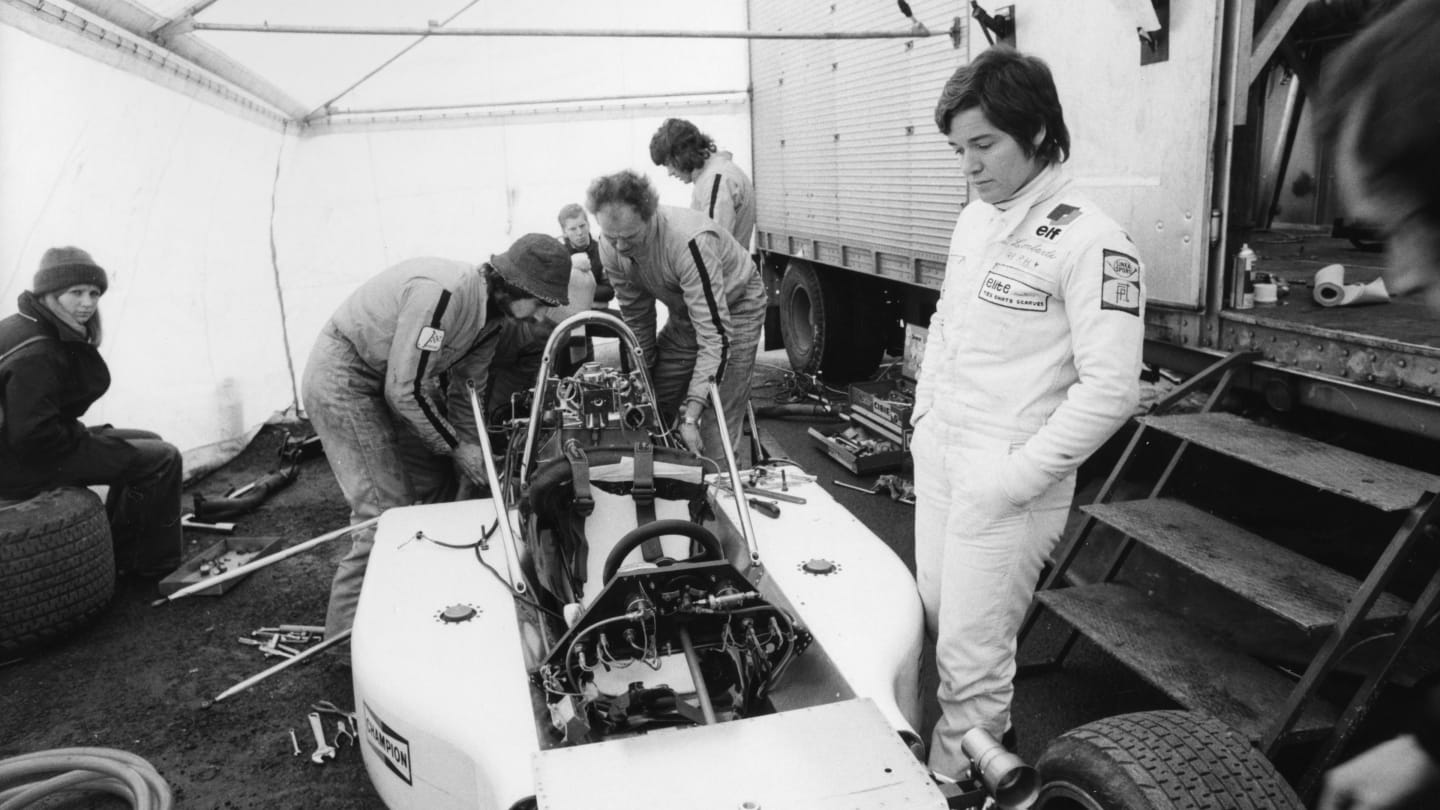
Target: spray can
<point>1242,294</point>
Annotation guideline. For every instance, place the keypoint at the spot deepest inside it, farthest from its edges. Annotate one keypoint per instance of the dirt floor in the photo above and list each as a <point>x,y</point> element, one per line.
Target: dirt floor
<point>142,679</point>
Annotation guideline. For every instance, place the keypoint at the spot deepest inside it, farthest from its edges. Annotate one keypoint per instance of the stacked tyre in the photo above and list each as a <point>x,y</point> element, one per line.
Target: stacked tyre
<point>57,567</point>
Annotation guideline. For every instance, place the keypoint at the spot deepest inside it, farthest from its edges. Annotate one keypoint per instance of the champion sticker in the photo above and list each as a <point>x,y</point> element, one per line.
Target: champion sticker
<point>1120,287</point>
<point>391,747</point>
<point>998,288</point>
<point>1063,214</point>
<point>430,340</point>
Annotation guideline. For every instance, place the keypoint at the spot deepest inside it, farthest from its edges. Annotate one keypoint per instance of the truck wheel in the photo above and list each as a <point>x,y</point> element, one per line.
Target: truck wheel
<point>1163,760</point>
<point>821,330</point>
<point>57,567</point>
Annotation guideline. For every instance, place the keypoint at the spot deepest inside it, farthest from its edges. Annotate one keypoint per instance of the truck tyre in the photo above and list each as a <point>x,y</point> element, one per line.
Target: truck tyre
<point>1162,760</point>
<point>822,329</point>
<point>57,567</point>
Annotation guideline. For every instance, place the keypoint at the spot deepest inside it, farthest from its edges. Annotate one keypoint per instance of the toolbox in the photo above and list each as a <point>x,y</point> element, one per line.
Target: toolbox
<point>226,555</point>
<point>884,406</point>
<point>860,450</point>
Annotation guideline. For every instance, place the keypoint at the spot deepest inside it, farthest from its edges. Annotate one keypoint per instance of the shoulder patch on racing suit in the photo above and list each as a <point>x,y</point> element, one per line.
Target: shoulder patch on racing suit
<point>1063,214</point>
<point>1000,289</point>
<point>430,339</point>
<point>1120,284</point>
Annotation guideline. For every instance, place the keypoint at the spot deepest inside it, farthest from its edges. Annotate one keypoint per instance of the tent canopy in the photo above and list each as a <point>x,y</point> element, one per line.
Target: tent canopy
<point>237,184</point>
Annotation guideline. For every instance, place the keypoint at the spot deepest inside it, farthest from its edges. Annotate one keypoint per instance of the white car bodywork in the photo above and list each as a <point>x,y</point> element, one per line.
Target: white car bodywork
<point>453,715</point>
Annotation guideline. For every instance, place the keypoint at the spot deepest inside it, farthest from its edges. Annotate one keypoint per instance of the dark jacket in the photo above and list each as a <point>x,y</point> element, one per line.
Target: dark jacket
<point>603,291</point>
<point>45,387</point>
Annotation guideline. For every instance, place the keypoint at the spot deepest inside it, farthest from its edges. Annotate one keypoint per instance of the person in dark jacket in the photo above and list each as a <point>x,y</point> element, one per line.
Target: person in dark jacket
<point>51,372</point>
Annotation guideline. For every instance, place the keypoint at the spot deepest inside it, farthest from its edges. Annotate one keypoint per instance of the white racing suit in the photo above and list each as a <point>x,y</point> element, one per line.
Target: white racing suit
<point>1032,361</point>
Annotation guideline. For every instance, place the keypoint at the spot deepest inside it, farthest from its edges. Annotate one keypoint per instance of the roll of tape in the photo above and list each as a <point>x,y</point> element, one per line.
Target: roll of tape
<point>1266,293</point>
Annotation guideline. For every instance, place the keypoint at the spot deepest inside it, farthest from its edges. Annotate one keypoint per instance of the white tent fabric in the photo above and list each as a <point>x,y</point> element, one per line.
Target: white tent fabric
<point>230,239</point>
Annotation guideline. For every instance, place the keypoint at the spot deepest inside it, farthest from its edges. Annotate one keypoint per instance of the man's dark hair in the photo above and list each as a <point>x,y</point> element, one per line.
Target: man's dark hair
<point>682,144</point>
<point>1016,93</point>
<point>627,187</point>
<point>569,212</point>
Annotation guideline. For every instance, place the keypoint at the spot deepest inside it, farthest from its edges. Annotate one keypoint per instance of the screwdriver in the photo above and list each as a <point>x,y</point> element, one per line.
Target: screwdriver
<point>766,508</point>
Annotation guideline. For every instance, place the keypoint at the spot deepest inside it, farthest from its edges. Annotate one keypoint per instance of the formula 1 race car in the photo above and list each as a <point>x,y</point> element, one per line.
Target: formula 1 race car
<point>613,628</point>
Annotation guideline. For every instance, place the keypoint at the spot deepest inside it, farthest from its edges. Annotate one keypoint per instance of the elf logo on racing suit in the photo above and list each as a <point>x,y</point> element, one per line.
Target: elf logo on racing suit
<point>1120,287</point>
<point>1005,291</point>
<point>391,747</point>
<point>430,340</point>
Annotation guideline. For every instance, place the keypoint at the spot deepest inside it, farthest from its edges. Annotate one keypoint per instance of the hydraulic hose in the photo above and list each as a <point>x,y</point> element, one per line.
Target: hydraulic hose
<point>28,778</point>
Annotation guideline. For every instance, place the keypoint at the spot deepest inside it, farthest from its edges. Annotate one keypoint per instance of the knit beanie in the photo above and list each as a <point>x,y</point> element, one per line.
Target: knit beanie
<point>539,265</point>
<point>64,267</point>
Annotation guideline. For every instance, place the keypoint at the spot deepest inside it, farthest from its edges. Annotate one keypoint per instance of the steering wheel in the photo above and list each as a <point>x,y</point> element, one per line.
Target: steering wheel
<point>659,528</point>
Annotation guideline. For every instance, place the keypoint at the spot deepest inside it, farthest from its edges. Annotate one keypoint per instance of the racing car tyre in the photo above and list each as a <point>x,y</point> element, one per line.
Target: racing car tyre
<point>57,567</point>
<point>1161,760</point>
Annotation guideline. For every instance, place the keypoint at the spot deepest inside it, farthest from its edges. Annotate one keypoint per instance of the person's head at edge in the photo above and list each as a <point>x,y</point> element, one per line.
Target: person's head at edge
<point>69,283</point>
<point>533,273</point>
<point>575,224</point>
<point>681,148</point>
<point>624,204</point>
<point>1379,108</point>
<point>1002,115</point>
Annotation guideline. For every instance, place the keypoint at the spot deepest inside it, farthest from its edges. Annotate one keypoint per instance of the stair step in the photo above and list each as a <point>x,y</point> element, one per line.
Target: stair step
<point>1385,486</point>
<point>1191,667</point>
<point>1292,586</point>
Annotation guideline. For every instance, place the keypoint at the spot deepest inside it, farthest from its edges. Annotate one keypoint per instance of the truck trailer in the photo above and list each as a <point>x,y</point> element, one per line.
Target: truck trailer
<point>1191,126</point>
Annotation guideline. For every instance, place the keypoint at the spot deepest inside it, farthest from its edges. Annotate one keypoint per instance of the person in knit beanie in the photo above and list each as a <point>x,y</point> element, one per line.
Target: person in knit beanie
<point>51,372</point>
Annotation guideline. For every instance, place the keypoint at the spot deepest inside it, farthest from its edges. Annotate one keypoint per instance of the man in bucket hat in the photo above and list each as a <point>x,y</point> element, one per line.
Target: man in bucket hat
<point>375,386</point>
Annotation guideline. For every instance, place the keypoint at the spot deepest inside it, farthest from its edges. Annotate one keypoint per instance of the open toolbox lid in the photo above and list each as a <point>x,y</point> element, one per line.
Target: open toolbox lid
<point>821,758</point>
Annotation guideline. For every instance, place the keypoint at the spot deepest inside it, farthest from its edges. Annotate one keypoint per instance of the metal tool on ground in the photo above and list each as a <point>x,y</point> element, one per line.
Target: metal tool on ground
<point>343,735</point>
<point>254,679</point>
<point>346,718</point>
<point>264,561</point>
<point>867,490</point>
<point>295,742</point>
<point>323,749</point>
<point>189,521</point>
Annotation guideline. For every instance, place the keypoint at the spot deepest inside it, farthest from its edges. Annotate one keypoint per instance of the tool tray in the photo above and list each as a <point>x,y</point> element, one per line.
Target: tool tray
<point>232,552</point>
<point>859,449</point>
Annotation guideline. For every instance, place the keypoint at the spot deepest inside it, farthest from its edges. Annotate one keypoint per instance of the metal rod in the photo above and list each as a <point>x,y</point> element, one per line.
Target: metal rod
<point>742,508</point>
<point>497,494</point>
<point>256,565</point>
<point>701,690</point>
<point>385,64</point>
<point>417,31</point>
<point>715,95</point>
<point>288,662</point>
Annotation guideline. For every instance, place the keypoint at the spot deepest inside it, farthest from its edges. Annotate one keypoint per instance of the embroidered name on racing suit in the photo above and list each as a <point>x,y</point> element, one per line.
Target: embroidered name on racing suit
<point>998,288</point>
<point>1120,287</point>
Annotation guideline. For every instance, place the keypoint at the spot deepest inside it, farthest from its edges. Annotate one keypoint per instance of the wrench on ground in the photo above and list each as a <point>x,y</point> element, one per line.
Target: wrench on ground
<point>323,749</point>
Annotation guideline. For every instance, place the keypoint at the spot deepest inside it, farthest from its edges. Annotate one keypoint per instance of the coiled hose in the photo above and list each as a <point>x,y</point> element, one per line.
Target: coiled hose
<point>28,778</point>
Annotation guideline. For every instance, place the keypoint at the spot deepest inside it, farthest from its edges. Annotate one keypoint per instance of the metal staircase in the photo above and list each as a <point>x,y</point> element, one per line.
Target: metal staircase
<point>1200,669</point>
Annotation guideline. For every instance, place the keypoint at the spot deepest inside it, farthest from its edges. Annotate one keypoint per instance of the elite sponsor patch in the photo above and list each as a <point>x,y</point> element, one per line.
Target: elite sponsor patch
<point>391,747</point>
<point>1120,284</point>
<point>1000,289</point>
<point>430,340</point>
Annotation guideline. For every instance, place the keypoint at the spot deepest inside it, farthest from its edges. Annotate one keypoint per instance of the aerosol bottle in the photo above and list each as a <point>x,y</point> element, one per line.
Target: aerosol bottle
<point>1242,294</point>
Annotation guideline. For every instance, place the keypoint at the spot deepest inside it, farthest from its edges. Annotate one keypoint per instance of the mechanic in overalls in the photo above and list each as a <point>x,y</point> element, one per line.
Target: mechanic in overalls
<point>385,386</point>
<point>720,189</point>
<point>1032,361</point>
<point>711,290</point>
